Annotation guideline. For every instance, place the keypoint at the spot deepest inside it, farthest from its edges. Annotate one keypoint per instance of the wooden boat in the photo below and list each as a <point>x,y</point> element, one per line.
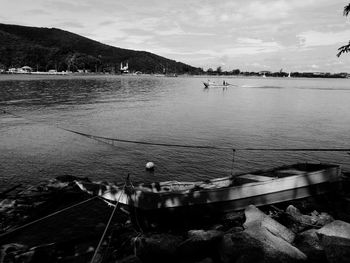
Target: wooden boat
<point>222,195</point>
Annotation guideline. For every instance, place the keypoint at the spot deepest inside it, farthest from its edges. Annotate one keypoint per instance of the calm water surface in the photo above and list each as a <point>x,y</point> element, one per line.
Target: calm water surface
<point>271,112</point>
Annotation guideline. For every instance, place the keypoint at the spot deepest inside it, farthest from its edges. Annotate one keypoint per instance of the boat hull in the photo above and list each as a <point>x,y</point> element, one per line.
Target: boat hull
<point>296,186</point>
<point>212,85</point>
<point>204,214</point>
<point>178,201</point>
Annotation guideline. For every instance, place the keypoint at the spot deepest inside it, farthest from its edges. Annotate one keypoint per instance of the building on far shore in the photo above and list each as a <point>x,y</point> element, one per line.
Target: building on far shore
<point>124,68</point>
<point>22,70</point>
<point>26,69</point>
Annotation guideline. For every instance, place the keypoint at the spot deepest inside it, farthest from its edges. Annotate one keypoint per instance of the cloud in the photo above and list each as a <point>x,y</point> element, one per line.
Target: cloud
<point>315,38</point>
<point>69,24</point>
<point>36,12</point>
<point>251,46</point>
<point>178,31</point>
<point>242,12</point>
<point>69,6</point>
<point>242,47</point>
<point>239,50</point>
<point>137,39</point>
<point>107,23</point>
<point>249,41</point>
<point>335,63</point>
<point>264,10</point>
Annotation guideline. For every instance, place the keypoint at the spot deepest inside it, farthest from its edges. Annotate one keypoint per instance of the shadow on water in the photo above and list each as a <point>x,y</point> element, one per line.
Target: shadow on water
<point>54,92</point>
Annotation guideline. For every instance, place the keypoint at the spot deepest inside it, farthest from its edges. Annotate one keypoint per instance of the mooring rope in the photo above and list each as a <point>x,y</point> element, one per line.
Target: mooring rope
<point>107,226</point>
<point>95,137</point>
<point>110,139</point>
<point>233,160</point>
<point>45,217</point>
<point>209,147</point>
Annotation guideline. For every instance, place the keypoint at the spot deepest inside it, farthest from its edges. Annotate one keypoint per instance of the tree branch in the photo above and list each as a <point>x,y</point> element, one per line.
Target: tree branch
<point>346,10</point>
<point>344,49</point>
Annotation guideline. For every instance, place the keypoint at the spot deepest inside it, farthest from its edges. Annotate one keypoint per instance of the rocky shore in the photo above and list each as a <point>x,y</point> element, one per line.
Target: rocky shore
<point>56,222</point>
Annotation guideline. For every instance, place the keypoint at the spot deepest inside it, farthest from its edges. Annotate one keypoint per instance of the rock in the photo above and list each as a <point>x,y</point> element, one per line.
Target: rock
<point>255,216</point>
<point>300,221</point>
<point>335,238</point>
<point>9,252</point>
<point>130,259</point>
<point>321,219</point>
<point>202,235</point>
<point>227,249</point>
<point>232,219</point>
<point>200,244</point>
<point>244,247</point>
<point>206,260</point>
<point>263,240</point>
<point>7,204</point>
<point>309,243</point>
<point>274,246</point>
<point>235,229</point>
<point>71,178</point>
<point>157,247</point>
<point>218,227</point>
<point>55,184</point>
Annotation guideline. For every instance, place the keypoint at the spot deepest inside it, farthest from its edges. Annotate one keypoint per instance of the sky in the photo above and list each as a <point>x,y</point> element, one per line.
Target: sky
<point>250,35</point>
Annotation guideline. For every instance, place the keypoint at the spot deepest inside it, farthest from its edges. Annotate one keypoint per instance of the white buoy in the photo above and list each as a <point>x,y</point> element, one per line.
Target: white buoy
<point>150,166</point>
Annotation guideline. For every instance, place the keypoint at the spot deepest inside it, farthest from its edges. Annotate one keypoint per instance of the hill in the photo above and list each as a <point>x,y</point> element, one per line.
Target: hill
<point>52,48</point>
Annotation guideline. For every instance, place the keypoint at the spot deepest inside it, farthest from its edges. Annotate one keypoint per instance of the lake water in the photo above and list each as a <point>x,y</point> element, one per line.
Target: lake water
<point>258,112</point>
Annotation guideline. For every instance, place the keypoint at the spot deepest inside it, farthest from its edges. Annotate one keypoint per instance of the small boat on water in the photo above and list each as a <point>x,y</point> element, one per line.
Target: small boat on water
<point>221,195</point>
<point>215,85</point>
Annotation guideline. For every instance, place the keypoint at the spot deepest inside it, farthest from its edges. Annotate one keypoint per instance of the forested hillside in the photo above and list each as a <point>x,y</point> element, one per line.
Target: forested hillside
<point>51,48</point>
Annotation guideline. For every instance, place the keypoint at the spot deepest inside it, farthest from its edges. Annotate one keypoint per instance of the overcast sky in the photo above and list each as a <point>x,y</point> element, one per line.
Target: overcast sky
<point>295,35</point>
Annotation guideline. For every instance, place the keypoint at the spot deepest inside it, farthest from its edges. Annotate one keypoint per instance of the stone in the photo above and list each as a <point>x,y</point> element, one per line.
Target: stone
<point>157,247</point>
<point>309,243</point>
<point>299,221</point>
<point>8,252</point>
<point>335,238</point>
<point>240,247</point>
<point>244,247</point>
<point>274,246</point>
<point>255,216</point>
<point>206,260</point>
<point>321,219</point>
<point>202,235</point>
<point>218,227</point>
<point>129,259</point>
<point>235,229</point>
<point>7,204</point>
<point>55,184</point>
<point>70,178</point>
<point>232,219</point>
<point>200,244</point>
<point>263,240</point>
<point>227,250</point>
<point>257,244</point>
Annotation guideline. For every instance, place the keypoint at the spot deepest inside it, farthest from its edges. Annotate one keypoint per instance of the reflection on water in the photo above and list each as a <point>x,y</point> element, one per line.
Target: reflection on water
<point>295,113</point>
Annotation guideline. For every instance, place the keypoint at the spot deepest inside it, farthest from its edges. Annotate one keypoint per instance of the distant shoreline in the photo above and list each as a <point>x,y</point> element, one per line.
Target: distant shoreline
<point>30,77</point>
<point>6,77</point>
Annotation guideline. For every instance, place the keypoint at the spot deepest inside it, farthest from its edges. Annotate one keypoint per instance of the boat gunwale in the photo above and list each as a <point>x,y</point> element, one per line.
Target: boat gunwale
<point>252,184</point>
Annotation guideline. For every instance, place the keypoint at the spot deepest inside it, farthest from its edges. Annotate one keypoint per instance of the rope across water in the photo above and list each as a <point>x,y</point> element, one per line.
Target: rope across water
<point>112,140</point>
